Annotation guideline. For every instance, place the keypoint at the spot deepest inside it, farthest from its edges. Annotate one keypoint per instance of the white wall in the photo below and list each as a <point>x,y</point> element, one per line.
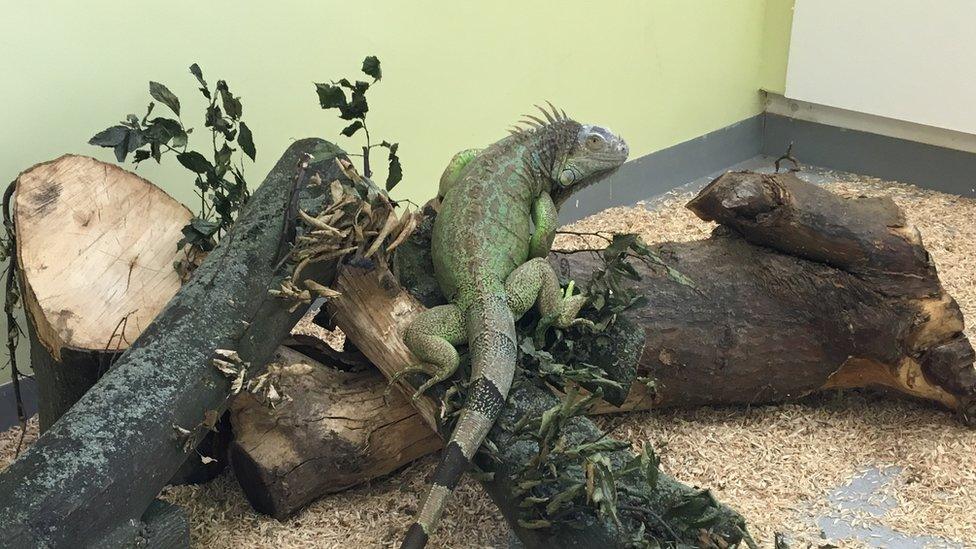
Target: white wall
<point>912,60</point>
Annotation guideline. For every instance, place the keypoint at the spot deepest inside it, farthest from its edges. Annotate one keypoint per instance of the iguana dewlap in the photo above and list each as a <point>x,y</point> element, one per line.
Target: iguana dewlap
<point>496,223</point>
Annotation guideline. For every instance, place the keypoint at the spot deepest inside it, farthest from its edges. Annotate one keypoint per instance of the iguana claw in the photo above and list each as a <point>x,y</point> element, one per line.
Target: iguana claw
<point>436,377</point>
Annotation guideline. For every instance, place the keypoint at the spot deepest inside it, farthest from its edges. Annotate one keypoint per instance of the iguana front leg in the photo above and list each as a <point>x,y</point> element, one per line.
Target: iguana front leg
<point>544,217</point>
<point>535,282</point>
<point>453,170</point>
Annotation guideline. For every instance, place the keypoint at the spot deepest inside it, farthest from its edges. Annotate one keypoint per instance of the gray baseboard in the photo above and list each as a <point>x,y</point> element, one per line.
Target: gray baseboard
<point>8,407</point>
<point>928,166</point>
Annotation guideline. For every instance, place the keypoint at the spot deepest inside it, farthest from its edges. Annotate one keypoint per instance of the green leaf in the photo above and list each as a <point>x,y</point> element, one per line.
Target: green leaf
<point>195,162</point>
<point>351,129</point>
<point>204,226</point>
<point>215,119</point>
<point>222,158</point>
<point>141,155</point>
<point>330,96</point>
<point>395,170</point>
<point>371,66</point>
<point>161,93</point>
<point>199,233</point>
<point>246,140</point>
<point>564,498</point>
<point>357,106</point>
<point>195,71</point>
<point>232,105</point>
<point>162,130</point>
<point>395,173</point>
<point>109,137</point>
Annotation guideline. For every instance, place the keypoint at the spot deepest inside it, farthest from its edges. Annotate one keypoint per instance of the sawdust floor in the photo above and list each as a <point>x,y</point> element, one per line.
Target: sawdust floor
<point>780,466</point>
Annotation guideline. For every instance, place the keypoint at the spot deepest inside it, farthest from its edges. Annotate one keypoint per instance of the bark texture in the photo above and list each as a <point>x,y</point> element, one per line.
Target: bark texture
<point>336,430</point>
<point>104,461</point>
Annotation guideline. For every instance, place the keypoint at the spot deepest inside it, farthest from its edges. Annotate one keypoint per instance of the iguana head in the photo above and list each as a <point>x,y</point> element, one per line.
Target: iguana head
<point>594,153</point>
<point>570,155</point>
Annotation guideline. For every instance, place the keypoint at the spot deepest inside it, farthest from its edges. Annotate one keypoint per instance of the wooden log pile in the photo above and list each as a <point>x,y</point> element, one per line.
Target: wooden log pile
<point>797,291</point>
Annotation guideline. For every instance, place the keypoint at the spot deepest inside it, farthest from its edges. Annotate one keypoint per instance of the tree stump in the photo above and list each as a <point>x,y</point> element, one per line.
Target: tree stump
<point>95,247</point>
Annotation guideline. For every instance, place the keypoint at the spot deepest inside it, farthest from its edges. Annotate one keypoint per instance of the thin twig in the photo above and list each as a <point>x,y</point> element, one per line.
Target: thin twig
<point>120,332</point>
<point>788,155</point>
<point>601,234</point>
<point>647,512</point>
<point>13,329</point>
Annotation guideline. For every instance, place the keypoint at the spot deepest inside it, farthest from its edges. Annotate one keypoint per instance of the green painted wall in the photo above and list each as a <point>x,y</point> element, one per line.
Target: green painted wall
<point>657,72</point>
<point>775,45</point>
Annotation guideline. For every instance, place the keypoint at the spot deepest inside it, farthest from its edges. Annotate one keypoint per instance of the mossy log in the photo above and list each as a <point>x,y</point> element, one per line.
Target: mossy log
<point>101,464</point>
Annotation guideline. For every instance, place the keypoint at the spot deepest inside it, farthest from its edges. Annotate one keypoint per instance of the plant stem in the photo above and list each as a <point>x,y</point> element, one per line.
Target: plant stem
<point>13,329</point>
<point>366,171</point>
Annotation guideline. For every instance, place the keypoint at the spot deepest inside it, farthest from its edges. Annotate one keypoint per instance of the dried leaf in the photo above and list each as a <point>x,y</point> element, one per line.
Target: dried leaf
<point>412,219</point>
<point>391,222</point>
<point>322,291</point>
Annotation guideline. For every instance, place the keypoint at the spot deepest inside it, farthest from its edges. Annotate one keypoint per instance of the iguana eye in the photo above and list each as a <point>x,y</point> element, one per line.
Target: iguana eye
<point>595,142</point>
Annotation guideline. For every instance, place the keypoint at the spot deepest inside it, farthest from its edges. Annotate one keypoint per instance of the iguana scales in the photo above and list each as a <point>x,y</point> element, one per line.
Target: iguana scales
<point>496,223</point>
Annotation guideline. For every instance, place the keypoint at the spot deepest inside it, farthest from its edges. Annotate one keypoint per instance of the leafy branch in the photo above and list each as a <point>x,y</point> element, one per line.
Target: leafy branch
<point>353,108</point>
<point>218,175</point>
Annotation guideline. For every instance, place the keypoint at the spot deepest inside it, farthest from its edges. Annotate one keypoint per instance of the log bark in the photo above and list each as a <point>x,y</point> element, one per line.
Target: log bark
<point>337,429</point>
<point>104,461</point>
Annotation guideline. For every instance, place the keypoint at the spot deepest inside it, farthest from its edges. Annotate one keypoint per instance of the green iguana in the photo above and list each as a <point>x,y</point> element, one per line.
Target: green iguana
<point>490,264</point>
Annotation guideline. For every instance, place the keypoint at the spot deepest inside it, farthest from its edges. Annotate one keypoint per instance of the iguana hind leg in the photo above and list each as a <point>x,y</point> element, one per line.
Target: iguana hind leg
<point>432,337</point>
<point>535,282</point>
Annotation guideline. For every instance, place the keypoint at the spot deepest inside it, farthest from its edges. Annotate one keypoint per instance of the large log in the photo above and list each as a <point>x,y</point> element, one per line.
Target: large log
<point>118,264</point>
<point>373,310</point>
<point>100,466</point>
<point>810,291</point>
<point>763,325</point>
<point>337,428</point>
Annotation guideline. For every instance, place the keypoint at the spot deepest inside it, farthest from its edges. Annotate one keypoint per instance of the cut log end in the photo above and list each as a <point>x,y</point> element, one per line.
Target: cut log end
<point>118,261</point>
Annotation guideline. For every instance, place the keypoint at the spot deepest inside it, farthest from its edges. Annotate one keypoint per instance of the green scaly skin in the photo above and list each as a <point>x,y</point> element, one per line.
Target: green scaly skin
<point>490,264</point>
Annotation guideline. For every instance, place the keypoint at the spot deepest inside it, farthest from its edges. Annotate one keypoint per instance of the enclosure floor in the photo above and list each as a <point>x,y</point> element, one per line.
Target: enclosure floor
<point>880,471</point>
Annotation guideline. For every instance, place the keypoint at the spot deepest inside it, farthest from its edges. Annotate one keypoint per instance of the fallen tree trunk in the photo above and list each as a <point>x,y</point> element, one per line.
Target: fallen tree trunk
<point>103,462</point>
<point>372,311</point>
<point>763,326</point>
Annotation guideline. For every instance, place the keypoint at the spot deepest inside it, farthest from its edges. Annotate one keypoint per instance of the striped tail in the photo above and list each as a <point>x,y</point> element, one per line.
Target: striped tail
<point>491,342</point>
